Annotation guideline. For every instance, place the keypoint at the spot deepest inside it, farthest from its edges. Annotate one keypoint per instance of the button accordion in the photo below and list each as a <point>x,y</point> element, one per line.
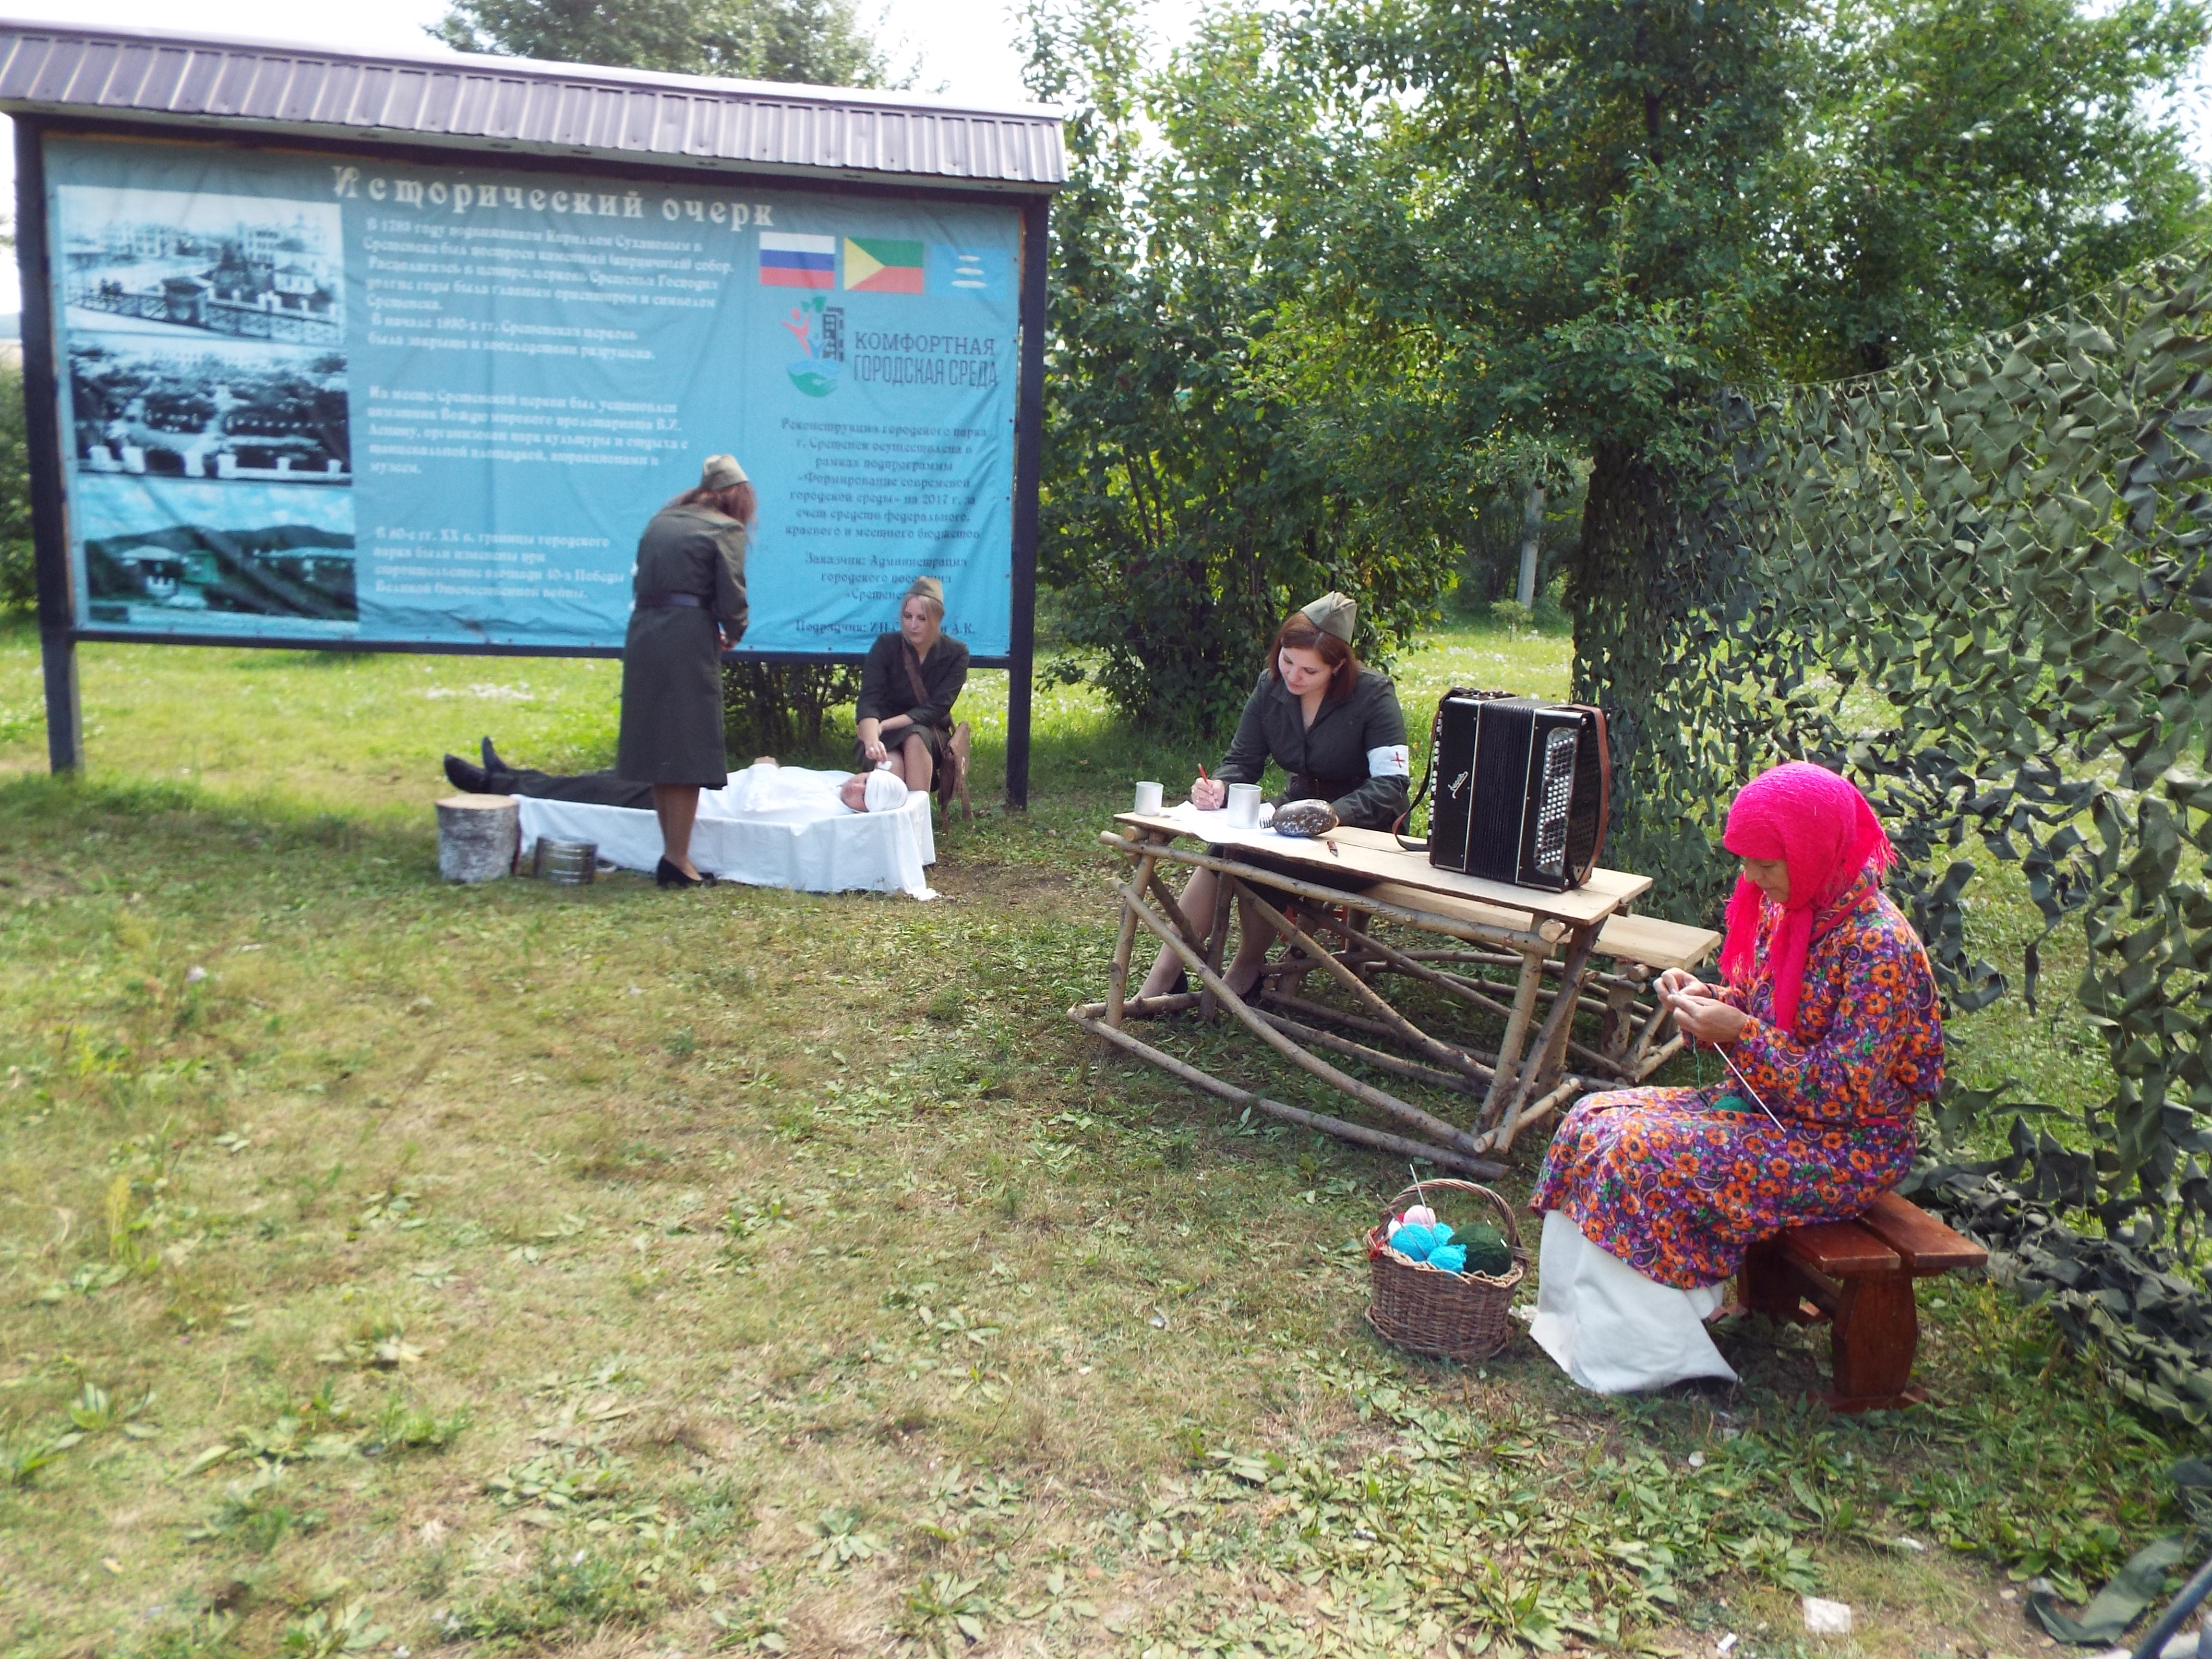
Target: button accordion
<point>1522,787</point>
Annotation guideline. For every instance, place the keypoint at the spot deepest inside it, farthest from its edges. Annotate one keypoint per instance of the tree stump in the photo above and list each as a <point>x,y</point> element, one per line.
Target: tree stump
<point>478,836</point>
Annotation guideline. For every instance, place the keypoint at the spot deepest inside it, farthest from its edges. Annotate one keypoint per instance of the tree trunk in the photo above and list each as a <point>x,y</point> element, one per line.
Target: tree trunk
<point>1532,534</point>
<point>1624,607</point>
<point>1663,597</point>
<point>1618,647</point>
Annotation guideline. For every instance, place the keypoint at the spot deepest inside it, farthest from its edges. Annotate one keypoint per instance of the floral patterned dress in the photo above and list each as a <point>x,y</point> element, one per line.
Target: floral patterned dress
<point>1679,1189</point>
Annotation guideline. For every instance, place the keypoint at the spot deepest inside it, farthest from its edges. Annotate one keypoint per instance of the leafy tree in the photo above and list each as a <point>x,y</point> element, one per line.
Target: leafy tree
<point>19,590</point>
<point>1590,217</point>
<point>815,41</point>
<point>1978,161</point>
<point>1183,513</point>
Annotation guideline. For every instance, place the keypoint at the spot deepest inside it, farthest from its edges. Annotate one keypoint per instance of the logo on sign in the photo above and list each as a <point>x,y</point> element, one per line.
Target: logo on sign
<point>819,328</point>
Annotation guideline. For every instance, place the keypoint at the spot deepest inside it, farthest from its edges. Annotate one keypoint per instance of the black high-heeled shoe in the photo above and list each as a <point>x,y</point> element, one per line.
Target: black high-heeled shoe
<point>667,875</point>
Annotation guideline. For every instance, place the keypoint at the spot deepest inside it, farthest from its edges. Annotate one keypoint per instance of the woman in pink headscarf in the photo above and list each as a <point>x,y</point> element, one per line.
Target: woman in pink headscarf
<point>1829,1019</point>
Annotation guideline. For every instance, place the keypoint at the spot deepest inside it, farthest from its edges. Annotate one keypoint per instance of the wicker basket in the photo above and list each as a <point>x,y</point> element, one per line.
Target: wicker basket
<point>1427,1310</point>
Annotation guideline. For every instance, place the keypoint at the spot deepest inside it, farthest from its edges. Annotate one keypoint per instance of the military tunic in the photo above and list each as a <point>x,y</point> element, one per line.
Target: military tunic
<point>671,711</point>
<point>1336,758</point>
<point>887,690</point>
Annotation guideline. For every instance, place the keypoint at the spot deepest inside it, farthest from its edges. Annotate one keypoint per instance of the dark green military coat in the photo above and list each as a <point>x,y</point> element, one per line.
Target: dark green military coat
<point>671,711</point>
<point>887,691</point>
<point>1338,758</point>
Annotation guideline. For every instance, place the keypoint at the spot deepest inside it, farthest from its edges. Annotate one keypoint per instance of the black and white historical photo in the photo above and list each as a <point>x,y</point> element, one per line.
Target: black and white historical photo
<point>225,267</point>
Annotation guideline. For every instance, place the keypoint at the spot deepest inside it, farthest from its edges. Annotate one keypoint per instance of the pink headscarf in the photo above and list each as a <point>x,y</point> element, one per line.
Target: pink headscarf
<point>1822,828</point>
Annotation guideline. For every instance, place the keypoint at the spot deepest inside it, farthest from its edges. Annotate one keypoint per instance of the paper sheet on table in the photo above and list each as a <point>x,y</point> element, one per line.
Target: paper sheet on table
<point>770,826</point>
<point>1216,828</point>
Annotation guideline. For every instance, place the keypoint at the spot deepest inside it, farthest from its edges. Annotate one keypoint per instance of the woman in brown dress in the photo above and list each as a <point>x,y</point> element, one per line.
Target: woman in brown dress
<point>688,607</point>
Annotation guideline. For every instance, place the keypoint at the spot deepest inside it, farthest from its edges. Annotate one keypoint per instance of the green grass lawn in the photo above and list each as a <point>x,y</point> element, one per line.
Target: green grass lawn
<point>516,1268</point>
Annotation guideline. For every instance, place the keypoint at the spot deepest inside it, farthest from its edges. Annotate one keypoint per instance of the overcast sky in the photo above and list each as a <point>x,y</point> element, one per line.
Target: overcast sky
<point>965,48</point>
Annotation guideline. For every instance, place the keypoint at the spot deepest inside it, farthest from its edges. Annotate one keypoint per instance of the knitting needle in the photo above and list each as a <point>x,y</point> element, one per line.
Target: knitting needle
<point>1678,1000</point>
<point>1747,1089</point>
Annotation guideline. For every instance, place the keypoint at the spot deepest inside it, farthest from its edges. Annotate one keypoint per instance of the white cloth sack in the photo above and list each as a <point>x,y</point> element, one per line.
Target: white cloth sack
<point>770,826</point>
<point>1613,1329</point>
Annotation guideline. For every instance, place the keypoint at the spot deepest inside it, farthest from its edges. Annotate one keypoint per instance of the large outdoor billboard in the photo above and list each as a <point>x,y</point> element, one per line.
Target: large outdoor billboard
<point>325,397</point>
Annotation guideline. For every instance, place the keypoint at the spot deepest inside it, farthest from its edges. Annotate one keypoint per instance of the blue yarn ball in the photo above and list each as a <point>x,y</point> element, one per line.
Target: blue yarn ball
<point>1452,1258</point>
<point>1443,1237</point>
<point>1415,1240</point>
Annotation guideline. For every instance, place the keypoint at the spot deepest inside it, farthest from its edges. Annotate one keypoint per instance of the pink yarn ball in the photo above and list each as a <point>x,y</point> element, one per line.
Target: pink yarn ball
<point>1419,1216</point>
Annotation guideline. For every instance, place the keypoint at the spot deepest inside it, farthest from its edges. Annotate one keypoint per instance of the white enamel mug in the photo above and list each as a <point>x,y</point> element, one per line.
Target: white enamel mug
<point>1148,797</point>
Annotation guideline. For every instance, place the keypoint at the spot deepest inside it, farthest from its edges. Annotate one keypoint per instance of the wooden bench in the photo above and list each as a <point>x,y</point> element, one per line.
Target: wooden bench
<point>1629,1046</point>
<point>1858,1276</point>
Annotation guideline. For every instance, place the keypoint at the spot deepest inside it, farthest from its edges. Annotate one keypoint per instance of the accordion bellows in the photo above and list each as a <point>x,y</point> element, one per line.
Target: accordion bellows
<point>1522,789</point>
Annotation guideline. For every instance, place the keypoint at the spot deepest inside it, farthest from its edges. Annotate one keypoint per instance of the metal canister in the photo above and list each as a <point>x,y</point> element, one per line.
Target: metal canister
<point>566,863</point>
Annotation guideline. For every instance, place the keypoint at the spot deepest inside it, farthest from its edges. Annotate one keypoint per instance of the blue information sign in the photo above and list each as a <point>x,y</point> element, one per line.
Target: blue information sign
<point>322,398</point>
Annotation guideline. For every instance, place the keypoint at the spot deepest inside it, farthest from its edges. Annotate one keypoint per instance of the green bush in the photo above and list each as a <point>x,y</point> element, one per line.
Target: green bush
<point>19,589</point>
<point>778,709</point>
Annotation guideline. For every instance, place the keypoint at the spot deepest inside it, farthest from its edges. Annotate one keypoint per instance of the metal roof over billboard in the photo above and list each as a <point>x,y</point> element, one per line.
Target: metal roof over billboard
<point>527,108</point>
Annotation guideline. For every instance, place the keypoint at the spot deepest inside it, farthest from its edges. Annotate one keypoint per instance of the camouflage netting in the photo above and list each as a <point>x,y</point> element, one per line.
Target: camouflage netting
<point>1978,583</point>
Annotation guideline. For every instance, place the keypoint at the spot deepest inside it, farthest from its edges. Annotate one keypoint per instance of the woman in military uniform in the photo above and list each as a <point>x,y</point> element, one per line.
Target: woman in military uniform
<point>1334,727</point>
<point>687,607</point>
<point>911,679</point>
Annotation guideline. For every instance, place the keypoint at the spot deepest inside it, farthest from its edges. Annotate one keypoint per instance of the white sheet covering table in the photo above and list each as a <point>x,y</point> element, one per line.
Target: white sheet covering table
<point>771,826</point>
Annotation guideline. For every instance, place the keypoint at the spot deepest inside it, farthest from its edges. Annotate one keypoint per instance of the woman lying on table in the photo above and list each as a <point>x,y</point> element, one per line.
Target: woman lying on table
<point>1335,728</point>
<point>1829,1021</point>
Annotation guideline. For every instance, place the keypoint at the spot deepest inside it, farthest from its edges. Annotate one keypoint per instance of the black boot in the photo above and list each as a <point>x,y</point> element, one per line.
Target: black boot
<point>469,779</point>
<point>491,760</point>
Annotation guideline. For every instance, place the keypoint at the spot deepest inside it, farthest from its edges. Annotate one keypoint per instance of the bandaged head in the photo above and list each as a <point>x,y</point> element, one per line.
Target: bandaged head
<point>721,472</point>
<point>885,793</point>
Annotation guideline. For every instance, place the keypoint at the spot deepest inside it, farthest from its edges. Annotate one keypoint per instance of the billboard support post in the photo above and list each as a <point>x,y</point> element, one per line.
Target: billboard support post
<point>1029,455</point>
<point>41,413</point>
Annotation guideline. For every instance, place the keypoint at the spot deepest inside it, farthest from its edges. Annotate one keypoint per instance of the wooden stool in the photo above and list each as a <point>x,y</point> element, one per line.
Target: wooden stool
<point>1858,1276</point>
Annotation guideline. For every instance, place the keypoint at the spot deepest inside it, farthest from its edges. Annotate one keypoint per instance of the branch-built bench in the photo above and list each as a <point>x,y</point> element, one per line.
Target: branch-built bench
<point>1858,1276</point>
<point>1333,893</point>
<point>1636,1036</point>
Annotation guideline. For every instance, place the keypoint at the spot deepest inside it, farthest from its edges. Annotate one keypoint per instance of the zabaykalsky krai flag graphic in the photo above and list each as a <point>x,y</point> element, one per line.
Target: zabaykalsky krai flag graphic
<point>875,265</point>
<point>326,397</point>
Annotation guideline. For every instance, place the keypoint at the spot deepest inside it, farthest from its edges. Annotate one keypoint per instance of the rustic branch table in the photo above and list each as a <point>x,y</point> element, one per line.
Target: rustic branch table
<point>1548,935</point>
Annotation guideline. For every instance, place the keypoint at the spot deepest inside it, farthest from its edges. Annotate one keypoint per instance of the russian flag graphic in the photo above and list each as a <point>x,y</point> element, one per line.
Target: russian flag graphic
<point>798,261</point>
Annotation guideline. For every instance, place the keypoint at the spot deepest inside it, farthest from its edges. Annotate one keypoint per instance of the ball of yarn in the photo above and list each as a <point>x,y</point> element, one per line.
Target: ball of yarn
<point>1396,1222</point>
<point>1451,1258</point>
<point>1731,1104</point>
<point>1422,1214</point>
<point>1415,1240</point>
<point>1486,1251</point>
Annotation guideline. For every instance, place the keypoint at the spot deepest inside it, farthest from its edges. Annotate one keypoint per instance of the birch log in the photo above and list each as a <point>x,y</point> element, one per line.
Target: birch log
<point>478,836</point>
